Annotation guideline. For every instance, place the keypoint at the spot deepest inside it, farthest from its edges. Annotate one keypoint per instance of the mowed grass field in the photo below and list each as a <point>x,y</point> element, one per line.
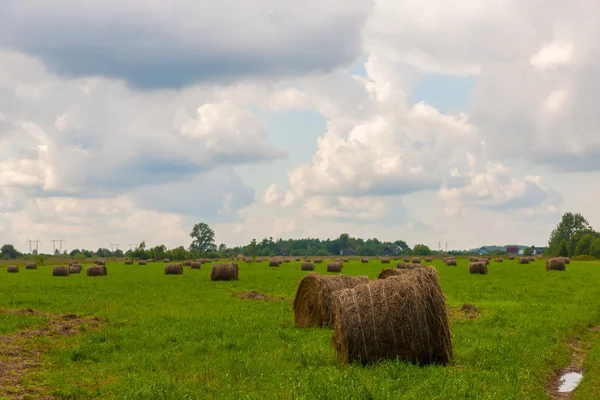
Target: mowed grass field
<point>185,337</point>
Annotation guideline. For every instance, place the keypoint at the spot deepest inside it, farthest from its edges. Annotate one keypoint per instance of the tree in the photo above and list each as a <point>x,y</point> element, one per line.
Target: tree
<point>595,248</point>
<point>569,225</point>
<point>204,238</point>
<point>9,251</point>
<point>562,249</point>
<point>343,241</point>
<point>222,248</point>
<point>421,250</point>
<point>528,251</point>
<point>584,244</point>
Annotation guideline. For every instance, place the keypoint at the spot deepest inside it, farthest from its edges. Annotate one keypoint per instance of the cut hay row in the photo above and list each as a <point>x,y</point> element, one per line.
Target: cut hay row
<point>307,266</point>
<point>556,264</point>
<point>478,267</point>
<point>96,270</point>
<point>312,304</point>
<point>60,271</point>
<point>334,267</point>
<point>398,317</point>
<point>173,269</point>
<point>224,272</point>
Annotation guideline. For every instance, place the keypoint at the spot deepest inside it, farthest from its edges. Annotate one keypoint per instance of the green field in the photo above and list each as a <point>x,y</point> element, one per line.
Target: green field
<point>184,337</point>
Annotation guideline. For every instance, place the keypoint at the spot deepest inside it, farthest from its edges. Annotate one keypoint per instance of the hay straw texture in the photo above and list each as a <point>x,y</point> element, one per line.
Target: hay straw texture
<point>274,263</point>
<point>96,270</point>
<point>416,260</point>
<point>224,272</point>
<point>307,266</point>
<point>31,266</point>
<point>334,267</point>
<point>174,269</point>
<point>364,260</point>
<point>403,265</point>
<point>195,265</point>
<point>478,267</point>
<point>12,269</point>
<point>142,262</point>
<point>318,261</point>
<point>187,263</point>
<point>401,316</point>
<point>524,260</point>
<point>385,260</point>
<point>556,264</point>
<point>312,305</point>
<point>567,260</point>
<point>60,271</point>
<point>75,269</point>
<point>100,262</point>
<point>450,261</point>
<point>388,272</point>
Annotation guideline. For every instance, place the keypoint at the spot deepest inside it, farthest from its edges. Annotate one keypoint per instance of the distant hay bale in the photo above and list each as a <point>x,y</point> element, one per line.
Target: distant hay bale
<point>128,262</point>
<point>297,259</point>
<point>76,269</point>
<point>556,264</point>
<point>388,272</point>
<point>286,260</point>
<point>345,260</point>
<point>31,266</point>
<point>100,262</point>
<point>398,317</point>
<point>318,261</point>
<point>96,270</point>
<point>471,259</point>
<point>187,263</point>
<point>12,269</point>
<point>224,272</point>
<point>403,265</point>
<point>499,259</point>
<point>274,263</point>
<point>60,271</point>
<point>166,260</point>
<point>511,257</point>
<point>142,262</point>
<point>174,269</point>
<point>196,265</point>
<point>450,261</point>
<point>415,260</point>
<point>364,260</point>
<point>478,267</point>
<point>428,259</point>
<point>532,259</point>
<point>334,267</point>
<point>484,260</point>
<point>523,260</point>
<point>385,260</point>
<point>406,259</point>
<point>312,304</point>
<point>307,266</point>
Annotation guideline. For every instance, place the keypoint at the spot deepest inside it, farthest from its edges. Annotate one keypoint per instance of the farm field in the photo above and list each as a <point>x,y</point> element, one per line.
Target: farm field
<point>161,336</point>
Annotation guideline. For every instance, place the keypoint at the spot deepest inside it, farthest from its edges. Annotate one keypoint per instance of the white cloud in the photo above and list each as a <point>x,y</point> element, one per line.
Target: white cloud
<point>553,56</point>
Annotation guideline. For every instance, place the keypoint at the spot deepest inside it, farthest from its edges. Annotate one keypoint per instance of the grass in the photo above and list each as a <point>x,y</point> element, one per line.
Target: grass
<point>184,337</point>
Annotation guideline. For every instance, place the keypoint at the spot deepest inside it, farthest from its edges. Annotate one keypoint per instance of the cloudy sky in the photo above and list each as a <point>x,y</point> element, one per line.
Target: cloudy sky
<point>467,123</point>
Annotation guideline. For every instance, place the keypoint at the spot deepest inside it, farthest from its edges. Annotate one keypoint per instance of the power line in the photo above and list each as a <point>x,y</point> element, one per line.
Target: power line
<point>37,245</point>
<point>60,242</point>
<point>112,246</point>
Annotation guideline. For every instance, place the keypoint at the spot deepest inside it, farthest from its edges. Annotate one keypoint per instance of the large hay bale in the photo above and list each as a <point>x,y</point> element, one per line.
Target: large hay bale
<point>224,272</point>
<point>428,259</point>
<point>567,260</point>
<point>60,271</point>
<point>478,267</point>
<point>312,305</point>
<point>334,267</point>
<point>31,266</point>
<point>388,272</point>
<point>398,317</point>
<point>450,261</point>
<point>195,265</point>
<point>100,262</point>
<point>96,270</point>
<point>274,263</point>
<point>142,262</point>
<point>403,265</point>
<point>75,269</point>
<point>173,269</point>
<point>12,269</point>
<point>484,260</point>
<point>499,259</point>
<point>385,260</point>
<point>364,260</point>
<point>128,262</point>
<point>187,263</point>
<point>524,260</point>
<point>307,266</point>
<point>415,260</point>
<point>318,261</point>
<point>556,264</point>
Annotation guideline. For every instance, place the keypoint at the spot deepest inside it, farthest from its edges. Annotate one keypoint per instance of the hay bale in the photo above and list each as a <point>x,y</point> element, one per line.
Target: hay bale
<point>385,260</point>
<point>532,259</point>
<point>166,260</point>
<point>484,260</point>
<point>274,263</point>
<point>312,305</point>
<point>195,265</point>
<point>388,272</point>
<point>567,260</point>
<point>307,266</point>
<point>406,259</point>
<point>75,269</point>
<point>187,263</point>
<point>511,257</point>
<point>142,262</point>
<point>471,259</point>
<point>173,269</point>
<point>334,267</point>
<point>499,259</point>
<point>416,260</point>
<point>100,262</point>
<point>318,261</point>
<point>128,262</point>
<point>450,261</point>
<point>345,260</point>
<point>31,266</point>
<point>523,260</point>
<point>297,259</point>
<point>403,265</point>
<point>286,261</point>
<point>12,269</point>
<point>96,270</point>
<point>556,264</point>
<point>224,272</point>
<point>478,267</point>
<point>364,260</point>
<point>428,259</point>
<point>398,317</point>
<point>60,271</point>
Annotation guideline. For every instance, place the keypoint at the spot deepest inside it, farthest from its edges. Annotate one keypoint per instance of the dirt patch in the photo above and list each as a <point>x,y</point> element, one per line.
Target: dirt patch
<point>466,311</point>
<point>254,295</point>
<point>580,347</point>
<point>21,352</point>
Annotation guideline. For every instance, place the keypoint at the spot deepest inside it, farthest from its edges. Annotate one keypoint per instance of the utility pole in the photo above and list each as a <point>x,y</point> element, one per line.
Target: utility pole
<point>112,247</point>
<point>59,241</point>
<point>131,246</point>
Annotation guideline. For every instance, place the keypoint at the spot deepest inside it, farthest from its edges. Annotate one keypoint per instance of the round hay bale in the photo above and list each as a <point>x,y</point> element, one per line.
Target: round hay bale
<point>567,260</point>
<point>450,261</point>
<point>345,260</point>
<point>128,262</point>
<point>511,257</point>
<point>416,260</point>
<point>166,260</point>
<point>471,259</point>
<point>478,267</point>
<point>286,261</point>
<point>387,272</point>
<point>224,272</point>
<point>406,259</point>
<point>398,317</point>
<point>428,259</point>
<point>142,262</point>
<point>196,265</point>
<point>385,260</point>
<point>173,269</point>
<point>556,264</point>
<point>12,269</point>
<point>395,258</point>
<point>31,266</point>
<point>307,266</point>
<point>76,269</point>
<point>334,267</point>
<point>100,262</point>
<point>274,263</point>
<point>499,259</point>
<point>312,304</point>
<point>364,260</point>
<point>297,259</point>
<point>484,260</point>
<point>96,270</point>
<point>524,260</point>
<point>318,261</point>
<point>60,271</point>
<point>187,263</point>
<point>403,265</point>
<point>532,259</point>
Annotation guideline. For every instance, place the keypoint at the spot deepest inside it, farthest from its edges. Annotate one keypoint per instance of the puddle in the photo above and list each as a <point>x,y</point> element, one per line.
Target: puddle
<point>568,382</point>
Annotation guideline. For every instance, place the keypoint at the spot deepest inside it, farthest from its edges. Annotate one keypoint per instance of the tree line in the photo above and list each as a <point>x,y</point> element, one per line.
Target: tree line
<point>574,236</point>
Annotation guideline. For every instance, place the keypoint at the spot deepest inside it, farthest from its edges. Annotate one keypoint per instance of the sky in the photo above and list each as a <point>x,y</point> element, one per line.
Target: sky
<point>461,123</point>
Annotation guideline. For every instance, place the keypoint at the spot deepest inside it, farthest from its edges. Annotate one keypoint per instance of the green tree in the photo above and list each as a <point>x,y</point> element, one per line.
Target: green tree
<point>204,238</point>
<point>421,250</point>
<point>562,249</point>
<point>343,241</point>
<point>584,244</point>
<point>9,251</point>
<point>252,249</point>
<point>595,248</point>
<point>569,225</point>
<point>528,251</point>
<point>222,248</point>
